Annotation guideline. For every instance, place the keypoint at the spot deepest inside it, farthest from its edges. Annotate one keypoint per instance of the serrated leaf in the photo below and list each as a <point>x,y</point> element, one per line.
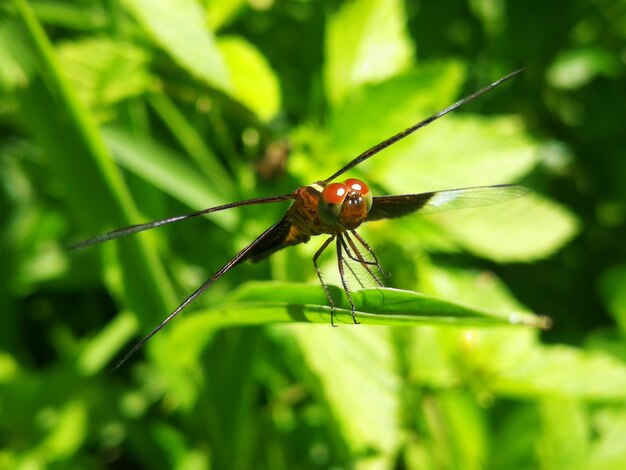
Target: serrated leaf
<point>253,81</point>
<point>366,41</point>
<point>179,28</point>
<point>525,229</point>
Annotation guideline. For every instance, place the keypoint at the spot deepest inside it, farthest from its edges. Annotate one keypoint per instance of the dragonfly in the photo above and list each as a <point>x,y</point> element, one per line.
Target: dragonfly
<point>334,209</point>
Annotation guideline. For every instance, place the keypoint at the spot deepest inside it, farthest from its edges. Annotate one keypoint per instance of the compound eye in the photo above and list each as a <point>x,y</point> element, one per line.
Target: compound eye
<point>334,193</point>
<point>362,188</point>
<point>357,185</point>
<point>330,203</point>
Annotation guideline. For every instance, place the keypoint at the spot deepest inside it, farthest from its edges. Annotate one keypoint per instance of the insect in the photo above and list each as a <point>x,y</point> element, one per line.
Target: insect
<point>335,209</point>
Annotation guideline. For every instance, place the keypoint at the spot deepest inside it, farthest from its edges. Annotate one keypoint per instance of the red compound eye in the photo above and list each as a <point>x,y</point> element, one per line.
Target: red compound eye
<point>357,185</point>
<point>334,193</point>
<point>361,188</point>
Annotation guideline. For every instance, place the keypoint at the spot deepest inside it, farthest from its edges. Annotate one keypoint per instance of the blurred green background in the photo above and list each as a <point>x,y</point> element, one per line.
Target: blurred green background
<point>113,113</point>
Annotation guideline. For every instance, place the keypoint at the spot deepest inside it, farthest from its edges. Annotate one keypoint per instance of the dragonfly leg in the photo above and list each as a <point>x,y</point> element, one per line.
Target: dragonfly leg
<point>365,263</point>
<point>340,262</point>
<point>319,275</point>
<point>371,252</point>
<point>353,258</point>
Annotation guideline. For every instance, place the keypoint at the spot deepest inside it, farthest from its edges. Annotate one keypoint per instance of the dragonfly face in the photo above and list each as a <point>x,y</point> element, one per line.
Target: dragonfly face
<point>345,205</point>
<point>334,209</point>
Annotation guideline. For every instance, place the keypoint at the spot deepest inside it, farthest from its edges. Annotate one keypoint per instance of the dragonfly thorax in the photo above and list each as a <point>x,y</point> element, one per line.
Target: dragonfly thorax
<point>346,204</point>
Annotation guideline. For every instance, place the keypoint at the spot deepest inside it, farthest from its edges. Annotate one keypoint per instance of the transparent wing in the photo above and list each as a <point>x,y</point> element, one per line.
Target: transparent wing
<point>390,207</point>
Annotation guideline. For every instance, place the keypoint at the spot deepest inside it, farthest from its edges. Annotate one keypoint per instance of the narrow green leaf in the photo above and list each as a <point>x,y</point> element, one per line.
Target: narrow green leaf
<point>269,302</point>
<point>51,112</point>
<point>575,68</point>
<point>161,167</point>
<point>189,138</point>
<point>68,431</point>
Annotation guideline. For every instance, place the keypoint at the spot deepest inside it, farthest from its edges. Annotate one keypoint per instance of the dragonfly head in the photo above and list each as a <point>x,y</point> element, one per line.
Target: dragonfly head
<point>346,204</point>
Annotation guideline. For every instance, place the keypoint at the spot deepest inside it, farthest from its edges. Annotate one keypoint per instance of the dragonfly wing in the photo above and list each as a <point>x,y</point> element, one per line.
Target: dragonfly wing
<point>282,235</point>
<point>391,207</point>
<point>239,257</point>
<point>124,231</point>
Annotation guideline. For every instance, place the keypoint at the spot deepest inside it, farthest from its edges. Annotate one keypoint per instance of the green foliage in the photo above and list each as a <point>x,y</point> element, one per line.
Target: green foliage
<point>114,113</point>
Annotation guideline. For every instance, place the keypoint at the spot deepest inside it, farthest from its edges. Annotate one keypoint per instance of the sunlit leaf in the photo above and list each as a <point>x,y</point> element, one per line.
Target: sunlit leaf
<point>104,72</point>
<point>457,152</point>
<point>527,228</point>
<point>253,81</point>
<point>356,372</point>
<point>366,41</point>
<point>612,289</point>
<point>221,13</point>
<point>162,168</point>
<point>575,68</point>
<point>179,28</point>
<point>282,302</point>
<point>564,441</point>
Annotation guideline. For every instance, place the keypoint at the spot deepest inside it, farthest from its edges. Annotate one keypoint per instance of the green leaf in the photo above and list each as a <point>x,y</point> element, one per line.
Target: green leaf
<point>564,442</point>
<point>366,41</point>
<point>471,287</point>
<point>613,293</point>
<point>67,431</point>
<point>563,371</point>
<point>609,428</point>
<point>253,82</point>
<point>91,183</point>
<point>104,72</point>
<point>270,302</point>
<point>374,113</point>
<point>164,169</point>
<point>17,62</point>
<point>457,152</point>
<point>180,29</point>
<point>524,229</point>
<point>356,373</point>
<point>575,68</point>
<point>221,13</point>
